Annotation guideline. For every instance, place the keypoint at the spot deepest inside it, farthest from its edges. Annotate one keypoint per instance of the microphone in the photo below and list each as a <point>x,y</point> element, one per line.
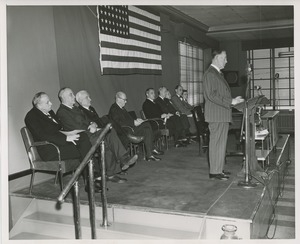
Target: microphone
<point>258,88</point>
<point>249,68</point>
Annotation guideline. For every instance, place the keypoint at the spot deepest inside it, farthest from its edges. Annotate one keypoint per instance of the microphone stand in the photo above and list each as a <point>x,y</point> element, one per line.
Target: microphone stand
<point>246,183</point>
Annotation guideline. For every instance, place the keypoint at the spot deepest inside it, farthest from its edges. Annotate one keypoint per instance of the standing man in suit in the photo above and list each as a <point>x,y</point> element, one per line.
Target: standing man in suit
<point>84,101</point>
<point>44,125</point>
<point>217,113</point>
<point>119,114</point>
<point>73,118</point>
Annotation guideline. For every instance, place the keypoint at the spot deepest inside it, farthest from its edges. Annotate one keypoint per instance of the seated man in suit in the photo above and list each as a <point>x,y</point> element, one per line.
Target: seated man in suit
<point>153,110</point>
<point>84,101</point>
<point>73,118</point>
<point>44,125</point>
<point>180,120</point>
<point>183,108</point>
<point>119,114</point>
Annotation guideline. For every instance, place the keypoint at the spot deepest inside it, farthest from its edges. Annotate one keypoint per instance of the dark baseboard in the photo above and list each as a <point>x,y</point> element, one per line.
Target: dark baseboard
<point>20,174</point>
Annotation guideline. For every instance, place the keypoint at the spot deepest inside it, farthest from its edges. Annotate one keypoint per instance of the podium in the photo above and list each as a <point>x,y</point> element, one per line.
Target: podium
<point>251,165</point>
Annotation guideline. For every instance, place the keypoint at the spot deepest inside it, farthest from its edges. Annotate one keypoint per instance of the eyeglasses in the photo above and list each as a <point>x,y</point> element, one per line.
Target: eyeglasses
<point>124,99</point>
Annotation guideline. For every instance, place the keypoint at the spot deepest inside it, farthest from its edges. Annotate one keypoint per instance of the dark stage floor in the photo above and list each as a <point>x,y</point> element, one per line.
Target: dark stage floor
<point>179,182</point>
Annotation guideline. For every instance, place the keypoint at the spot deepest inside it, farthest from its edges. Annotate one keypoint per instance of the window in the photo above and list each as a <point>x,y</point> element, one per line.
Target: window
<point>274,73</point>
<point>191,71</point>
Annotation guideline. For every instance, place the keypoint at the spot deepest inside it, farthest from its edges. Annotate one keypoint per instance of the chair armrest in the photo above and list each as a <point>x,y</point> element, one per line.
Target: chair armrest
<point>43,143</point>
<point>156,121</point>
<point>128,127</point>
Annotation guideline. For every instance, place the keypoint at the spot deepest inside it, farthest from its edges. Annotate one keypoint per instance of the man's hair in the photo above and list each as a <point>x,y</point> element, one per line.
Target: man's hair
<point>216,52</point>
<point>160,89</point>
<point>61,92</point>
<point>37,98</point>
<point>79,95</point>
<point>176,87</point>
<point>148,89</point>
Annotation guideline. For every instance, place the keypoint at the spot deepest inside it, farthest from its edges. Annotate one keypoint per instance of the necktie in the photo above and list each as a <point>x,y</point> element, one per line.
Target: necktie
<point>50,117</point>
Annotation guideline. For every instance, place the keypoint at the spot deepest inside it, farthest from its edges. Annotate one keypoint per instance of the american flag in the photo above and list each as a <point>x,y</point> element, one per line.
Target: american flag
<point>129,40</point>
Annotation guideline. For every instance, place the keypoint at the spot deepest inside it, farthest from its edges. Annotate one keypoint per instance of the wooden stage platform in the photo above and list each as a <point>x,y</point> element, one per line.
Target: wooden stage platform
<point>176,193</point>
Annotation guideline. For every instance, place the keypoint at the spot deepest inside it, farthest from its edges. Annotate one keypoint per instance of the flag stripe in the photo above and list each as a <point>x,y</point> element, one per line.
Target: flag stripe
<point>144,34</point>
<point>144,39</point>
<point>113,71</point>
<point>125,41</point>
<point>144,28</point>
<point>129,65</point>
<point>129,47</point>
<point>129,59</point>
<point>129,53</point>
<point>142,14</point>
<point>139,22</point>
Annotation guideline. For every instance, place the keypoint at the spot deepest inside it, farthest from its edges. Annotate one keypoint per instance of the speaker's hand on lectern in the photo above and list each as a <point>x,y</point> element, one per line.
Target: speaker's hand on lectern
<point>237,100</point>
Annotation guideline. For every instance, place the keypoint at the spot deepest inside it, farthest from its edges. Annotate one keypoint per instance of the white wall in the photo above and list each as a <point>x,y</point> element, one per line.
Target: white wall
<point>32,67</point>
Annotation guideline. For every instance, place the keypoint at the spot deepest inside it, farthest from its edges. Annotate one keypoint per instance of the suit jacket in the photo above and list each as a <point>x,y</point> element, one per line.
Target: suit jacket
<point>43,128</point>
<point>217,97</point>
<point>152,110</point>
<point>103,121</point>
<point>170,106</point>
<point>180,106</point>
<point>93,116</point>
<point>163,105</point>
<point>120,116</point>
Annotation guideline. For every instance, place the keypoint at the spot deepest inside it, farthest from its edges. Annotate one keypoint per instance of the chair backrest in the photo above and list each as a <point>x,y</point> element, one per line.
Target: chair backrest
<point>198,115</point>
<point>143,116</point>
<point>32,153</point>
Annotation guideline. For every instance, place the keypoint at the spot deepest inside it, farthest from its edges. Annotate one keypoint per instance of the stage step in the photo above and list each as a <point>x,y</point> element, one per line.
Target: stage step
<point>42,221</point>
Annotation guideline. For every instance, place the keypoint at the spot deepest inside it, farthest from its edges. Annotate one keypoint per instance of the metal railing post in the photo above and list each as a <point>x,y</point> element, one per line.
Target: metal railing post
<point>92,199</point>
<point>76,209</point>
<point>103,192</point>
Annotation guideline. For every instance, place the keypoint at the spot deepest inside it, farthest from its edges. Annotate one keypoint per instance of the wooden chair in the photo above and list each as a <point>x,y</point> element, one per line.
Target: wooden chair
<point>164,132</point>
<point>202,129</point>
<point>59,167</point>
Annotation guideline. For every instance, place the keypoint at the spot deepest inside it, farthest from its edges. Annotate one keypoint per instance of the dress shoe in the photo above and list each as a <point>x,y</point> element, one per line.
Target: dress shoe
<point>179,144</point>
<point>123,172</point>
<point>135,139</point>
<point>218,176</point>
<point>153,158</point>
<point>128,161</point>
<point>116,179</point>
<point>157,152</point>
<point>226,172</point>
<point>97,188</point>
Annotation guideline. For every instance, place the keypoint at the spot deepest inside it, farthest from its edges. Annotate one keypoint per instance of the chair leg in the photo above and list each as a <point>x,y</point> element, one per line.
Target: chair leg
<point>200,145</point>
<point>31,181</point>
<point>61,180</point>
<point>144,151</point>
<point>56,177</point>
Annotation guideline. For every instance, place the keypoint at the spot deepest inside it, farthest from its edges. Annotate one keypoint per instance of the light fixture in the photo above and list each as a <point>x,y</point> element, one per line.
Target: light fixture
<point>286,54</point>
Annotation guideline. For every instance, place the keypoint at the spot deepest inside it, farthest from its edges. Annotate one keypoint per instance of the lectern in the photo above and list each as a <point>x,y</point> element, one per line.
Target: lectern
<point>251,166</point>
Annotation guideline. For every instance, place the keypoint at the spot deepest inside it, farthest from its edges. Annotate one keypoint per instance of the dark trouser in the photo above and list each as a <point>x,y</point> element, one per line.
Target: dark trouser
<point>185,123</point>
<point>217,145</point>
<point>175,127</point>
<point>114,150</point>
<point>67,151</point>
<point>145,130</point>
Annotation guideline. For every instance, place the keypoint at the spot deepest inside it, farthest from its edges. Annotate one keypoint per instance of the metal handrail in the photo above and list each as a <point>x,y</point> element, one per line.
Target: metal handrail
<point>82,165</point>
